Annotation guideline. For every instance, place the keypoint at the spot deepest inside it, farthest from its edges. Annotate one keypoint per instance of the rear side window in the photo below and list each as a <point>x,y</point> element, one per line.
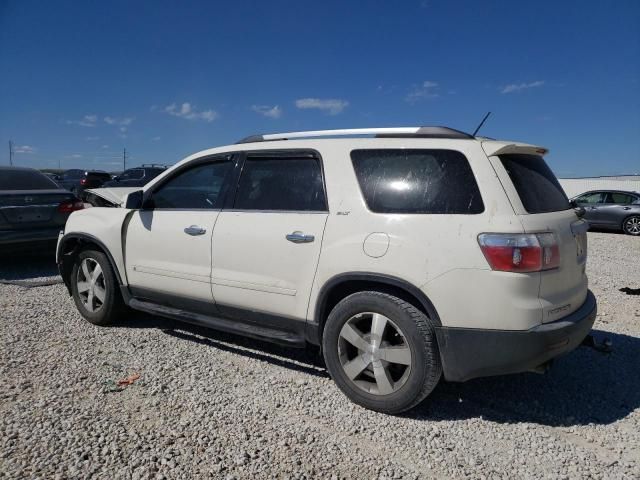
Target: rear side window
<point>621,198</point>
<point>417,181</point>
<point>537,186</point>
<point>25,180</point>
<point>288,184</point>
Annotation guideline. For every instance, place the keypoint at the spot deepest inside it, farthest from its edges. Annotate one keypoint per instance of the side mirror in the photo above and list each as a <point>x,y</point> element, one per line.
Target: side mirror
<point>116,178</point>
<point>134,200</point>
<point>580,211</point>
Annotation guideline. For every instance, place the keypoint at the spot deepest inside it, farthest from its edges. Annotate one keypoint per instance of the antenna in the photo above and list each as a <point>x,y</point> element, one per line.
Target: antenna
<point>481,124</point>
<point>10,153</point>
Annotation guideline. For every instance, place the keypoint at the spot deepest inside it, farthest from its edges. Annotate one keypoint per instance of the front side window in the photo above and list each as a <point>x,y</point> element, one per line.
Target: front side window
<point>591,198</point>
<point>417,181</point>
<point>281,183</point>
<point>199,187</point>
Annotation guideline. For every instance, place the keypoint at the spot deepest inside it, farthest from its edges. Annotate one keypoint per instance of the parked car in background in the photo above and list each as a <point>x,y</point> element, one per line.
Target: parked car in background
<point>76,180</point>
<point>414,254</point>
<point>33,208</point>
<point>136,177</point>
<point>611,209</point>
<point>53,176</point>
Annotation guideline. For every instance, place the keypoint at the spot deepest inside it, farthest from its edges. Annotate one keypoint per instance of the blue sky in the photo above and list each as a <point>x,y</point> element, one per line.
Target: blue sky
<point>82,80</point>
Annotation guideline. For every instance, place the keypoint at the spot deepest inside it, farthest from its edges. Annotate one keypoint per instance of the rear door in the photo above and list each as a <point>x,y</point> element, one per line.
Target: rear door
<point>266,246</point>
<point>615,209</point>
<point>168,243</point>
<point>542,206</point>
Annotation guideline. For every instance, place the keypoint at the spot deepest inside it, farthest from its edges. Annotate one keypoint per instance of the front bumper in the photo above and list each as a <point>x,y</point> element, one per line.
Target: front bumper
<point>468,353</point>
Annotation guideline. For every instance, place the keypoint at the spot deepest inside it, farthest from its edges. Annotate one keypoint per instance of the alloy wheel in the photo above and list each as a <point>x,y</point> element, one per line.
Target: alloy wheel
<point>374,353</point>
<point>632,225</point>
<point>90,284</point>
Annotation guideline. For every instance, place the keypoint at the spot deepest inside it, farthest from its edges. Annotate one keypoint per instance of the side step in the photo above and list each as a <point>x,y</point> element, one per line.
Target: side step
<point>231,326</point>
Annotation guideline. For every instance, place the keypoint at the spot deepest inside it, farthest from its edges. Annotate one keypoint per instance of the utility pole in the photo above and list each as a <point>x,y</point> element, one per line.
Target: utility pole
<point>10,153</point>
<point>124,159</point>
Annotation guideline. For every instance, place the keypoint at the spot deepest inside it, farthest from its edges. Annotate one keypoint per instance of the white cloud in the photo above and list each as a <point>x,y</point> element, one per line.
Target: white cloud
<point>105,146</point>
<point>517,87</point>
<point>268,111</point>
<point>121,122</point>
<point>91,139</point>
<point>24,149</point>
<point>428,89</point>
<point>190,113</point>
<point>155,139</point>
<point>87,121</point>
<point>332,106</point>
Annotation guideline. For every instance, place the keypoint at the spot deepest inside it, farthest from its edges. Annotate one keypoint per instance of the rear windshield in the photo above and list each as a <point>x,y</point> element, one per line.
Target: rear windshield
<point>537,186</point>
<point>417,181</point>
<point>25,180</point>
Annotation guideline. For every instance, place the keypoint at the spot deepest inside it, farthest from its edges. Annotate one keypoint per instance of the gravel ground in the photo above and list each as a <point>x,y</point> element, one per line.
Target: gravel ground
<point>213,405</point>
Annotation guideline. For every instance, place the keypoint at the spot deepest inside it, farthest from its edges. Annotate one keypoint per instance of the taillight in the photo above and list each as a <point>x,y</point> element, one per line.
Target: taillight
<point>69,206</point>
<point>83,181</point>
<point>516,252</point>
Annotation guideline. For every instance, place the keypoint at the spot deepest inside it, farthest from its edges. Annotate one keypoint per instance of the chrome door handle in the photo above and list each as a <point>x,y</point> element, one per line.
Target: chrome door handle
<point>626,208</point>
<point>299,237</point>
<point>195,230</point>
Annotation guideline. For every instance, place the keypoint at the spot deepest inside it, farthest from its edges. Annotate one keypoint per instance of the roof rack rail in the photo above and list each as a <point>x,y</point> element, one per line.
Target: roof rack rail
<point>394,132</point>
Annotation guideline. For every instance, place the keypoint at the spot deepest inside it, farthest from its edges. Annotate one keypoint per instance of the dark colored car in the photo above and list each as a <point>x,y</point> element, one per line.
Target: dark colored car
<point>53,176</point>
<point>33,208</point>
<point>136,177</point>
<point>611,209</point>
<point>76,181</point>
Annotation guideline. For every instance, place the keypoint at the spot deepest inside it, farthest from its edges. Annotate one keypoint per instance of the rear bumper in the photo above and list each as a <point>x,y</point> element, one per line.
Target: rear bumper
<point>471,353</point>
<point>15,237</point>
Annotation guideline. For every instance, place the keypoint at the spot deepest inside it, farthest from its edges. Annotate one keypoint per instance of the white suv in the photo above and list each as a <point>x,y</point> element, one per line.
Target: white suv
<point>405,253</point>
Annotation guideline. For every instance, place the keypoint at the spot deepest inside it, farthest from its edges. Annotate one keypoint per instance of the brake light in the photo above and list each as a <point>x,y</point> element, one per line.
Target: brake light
<point>83,181</point>
<point>515,252</point>
<point>69,206</point>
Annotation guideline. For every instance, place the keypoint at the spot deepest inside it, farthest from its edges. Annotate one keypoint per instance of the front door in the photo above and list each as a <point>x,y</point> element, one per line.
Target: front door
<point>168,243</point>
<point>266,247</point>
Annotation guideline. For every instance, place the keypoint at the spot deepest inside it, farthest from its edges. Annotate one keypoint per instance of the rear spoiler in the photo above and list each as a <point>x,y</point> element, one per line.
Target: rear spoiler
<point>492,148</point>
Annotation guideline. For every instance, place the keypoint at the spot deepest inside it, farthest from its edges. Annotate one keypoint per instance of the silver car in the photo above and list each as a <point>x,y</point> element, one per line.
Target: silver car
<point>611,209</point>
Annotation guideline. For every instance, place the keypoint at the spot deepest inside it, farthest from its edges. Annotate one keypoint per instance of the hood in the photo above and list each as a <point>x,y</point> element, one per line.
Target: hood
<point>113,196</point>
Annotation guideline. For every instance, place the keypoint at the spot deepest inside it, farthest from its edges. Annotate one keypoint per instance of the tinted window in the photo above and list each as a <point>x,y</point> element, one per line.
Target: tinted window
<point>73,174</point>
<point>417,181</point>
<point>596,197</point>
<point>537,186</point>
<point>25,180</point>
<point>199,187</point>
<point>621,198</point>
<point>133,174</point>
<point>292,184</point>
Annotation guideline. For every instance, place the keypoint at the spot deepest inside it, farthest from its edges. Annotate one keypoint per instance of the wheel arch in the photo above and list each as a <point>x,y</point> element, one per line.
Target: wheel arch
<point>343,285</point>
<point>73,243</point>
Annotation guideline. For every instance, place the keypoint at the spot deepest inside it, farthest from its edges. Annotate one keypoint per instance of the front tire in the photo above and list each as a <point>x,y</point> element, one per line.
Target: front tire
<point>95,288</point>
<point>381,351</point>
<point>631,225</point>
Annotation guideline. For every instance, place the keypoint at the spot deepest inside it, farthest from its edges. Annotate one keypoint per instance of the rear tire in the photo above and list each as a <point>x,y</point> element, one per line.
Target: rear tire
<point>631,225</point>
<point>95,288</point>
<point>381,351</point>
